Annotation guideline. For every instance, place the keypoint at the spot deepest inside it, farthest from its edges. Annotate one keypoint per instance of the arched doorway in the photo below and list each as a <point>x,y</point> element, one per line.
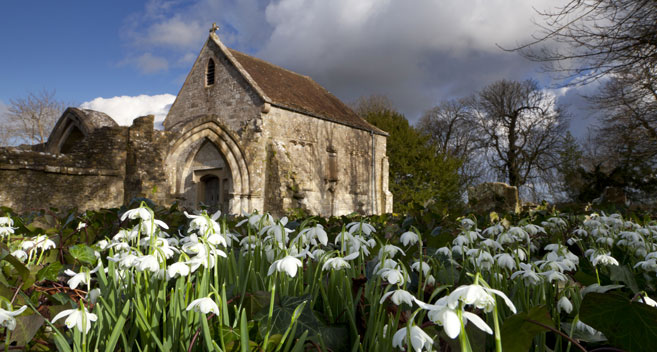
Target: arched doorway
<point>212,177</point>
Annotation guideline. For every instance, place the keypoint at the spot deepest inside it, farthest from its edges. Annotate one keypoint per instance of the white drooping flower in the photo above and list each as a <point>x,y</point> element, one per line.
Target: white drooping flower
<point>478,296</point>
<point>409,238</point>
<point>393,275</point>
<point>389,251</point>
<point>8,317</point>
<point>426,268</point>
<point>418,339</point>
<point>289,265</point>
<point>314,234</point>
<point>603,258</point>
<point>565,305</point>
<point>398,297</point>
<point>80,318</point>
<point>148,263</point>
<point>338,263</point>
<point>204,305</point>
<point>204,224</point>
<point>505,261</point>
<point>76,278</point>
<point>176,269</point>
<point>528,274</point>
<point>142,213</point>
<point>360,226</point>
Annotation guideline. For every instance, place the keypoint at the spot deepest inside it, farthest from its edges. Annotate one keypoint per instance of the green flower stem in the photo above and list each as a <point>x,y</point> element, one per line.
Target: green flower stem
<point>271,311</point>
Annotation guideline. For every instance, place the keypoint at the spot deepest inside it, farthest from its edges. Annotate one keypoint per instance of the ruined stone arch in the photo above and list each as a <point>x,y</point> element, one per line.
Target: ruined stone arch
<point>73,126</point>
<point>184,149</point>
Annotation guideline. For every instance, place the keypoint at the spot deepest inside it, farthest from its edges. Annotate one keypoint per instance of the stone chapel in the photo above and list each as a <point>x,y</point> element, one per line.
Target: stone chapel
<point>242,135</point>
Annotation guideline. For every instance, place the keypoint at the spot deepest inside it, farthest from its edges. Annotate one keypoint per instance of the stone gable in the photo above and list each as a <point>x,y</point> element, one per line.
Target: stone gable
<point>243,135</point>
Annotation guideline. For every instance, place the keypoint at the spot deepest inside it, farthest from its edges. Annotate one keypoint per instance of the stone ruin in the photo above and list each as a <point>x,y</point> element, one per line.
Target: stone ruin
<point>242,135</point>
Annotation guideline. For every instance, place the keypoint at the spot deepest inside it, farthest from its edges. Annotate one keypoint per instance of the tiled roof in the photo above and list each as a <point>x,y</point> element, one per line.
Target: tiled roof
<point>290,90</point>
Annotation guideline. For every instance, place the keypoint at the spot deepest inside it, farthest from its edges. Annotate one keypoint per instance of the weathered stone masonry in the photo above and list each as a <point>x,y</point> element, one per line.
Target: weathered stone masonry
<point>242,135</point>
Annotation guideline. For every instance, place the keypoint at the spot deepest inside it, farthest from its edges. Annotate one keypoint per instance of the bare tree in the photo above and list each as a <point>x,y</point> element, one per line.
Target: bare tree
<point>452,128</point>
<point>588,39</point>
<point>32,118</point>
<point>372,104</point>
<point>521,127</point>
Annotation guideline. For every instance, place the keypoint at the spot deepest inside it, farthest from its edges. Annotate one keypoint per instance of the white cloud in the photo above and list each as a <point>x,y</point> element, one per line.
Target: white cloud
<point>416,52</point>
<point>124,109</point>
<point>147,63</point>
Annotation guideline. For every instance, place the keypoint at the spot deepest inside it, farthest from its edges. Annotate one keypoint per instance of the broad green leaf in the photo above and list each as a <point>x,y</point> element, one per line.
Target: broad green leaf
<point>631,326</point>
<point>336,337</point>
<point>26,327</point>
<point>20,268</point>
<point>282,317</point>
<point>83,253</point>
<point>49,272</point>
<point>624,274</point>
<point>518,330</point>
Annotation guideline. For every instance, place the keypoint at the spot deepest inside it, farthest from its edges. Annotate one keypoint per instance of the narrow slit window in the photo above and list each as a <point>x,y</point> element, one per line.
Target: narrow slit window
<point>209,74</point>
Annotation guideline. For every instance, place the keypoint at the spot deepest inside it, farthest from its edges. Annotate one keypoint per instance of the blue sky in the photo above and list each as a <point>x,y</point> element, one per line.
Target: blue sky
<point>417,53</point>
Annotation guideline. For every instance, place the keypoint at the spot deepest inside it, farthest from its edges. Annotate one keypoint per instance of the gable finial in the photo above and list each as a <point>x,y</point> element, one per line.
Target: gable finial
<point>214,28</point>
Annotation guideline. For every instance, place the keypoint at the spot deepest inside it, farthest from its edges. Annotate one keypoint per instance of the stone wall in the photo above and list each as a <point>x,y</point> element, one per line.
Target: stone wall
<point>323,167</point>
<point>90,176</point>
<point>230,98</point>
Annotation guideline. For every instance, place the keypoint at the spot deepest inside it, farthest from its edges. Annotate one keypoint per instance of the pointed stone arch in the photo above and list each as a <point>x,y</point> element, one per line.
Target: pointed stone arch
<point>73,126</point>
<point>185,148</point>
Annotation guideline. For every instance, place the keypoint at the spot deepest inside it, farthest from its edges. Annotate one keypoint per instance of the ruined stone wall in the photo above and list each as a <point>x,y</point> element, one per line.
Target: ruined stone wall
<point>90,176</point>
<point>146,151</point>
<point>230,98</point>
<point>323,167</point>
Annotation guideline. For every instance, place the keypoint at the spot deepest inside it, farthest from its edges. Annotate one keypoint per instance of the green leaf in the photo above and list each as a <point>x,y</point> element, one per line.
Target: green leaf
<point>26,327</point>
<point>20,268</point>
<point>631,326</point>
<point>624,274</point>
<point>282,318</point>
<point>518,330</point>
<point>83,253</point>
<point>49,272</point>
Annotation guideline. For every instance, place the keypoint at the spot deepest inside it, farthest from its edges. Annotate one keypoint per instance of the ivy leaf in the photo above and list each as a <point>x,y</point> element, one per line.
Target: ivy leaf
<point>49,272</point>
<point>83,253</point>
<point>26,327</point>
<point>282,317</point>
<point>518,330</point>
<point>631,326</point>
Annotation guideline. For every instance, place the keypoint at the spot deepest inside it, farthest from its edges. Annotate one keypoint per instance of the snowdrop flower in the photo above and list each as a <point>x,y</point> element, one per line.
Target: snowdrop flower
<point>315,234</point>
<point>552,275</point>
<point>399,297</point>
<point>278,232</point>
<point>289,265</point>
<point>93,295</point>
<point>528,274</point>
<point>565,305</point>
<point>20,255</point>
<point>202,224</point>
<point>390,251</point>
<point>6,230</point>
<point>386,264</point>
<point>360,226</point>
<point>603,258</point>
<point>339,263</point>
<point>77,318</point>
<point>7,317</point>
<point>203,305</point>
<point>178,268</point>
<point>505,261</point>
<point>478,296</point>
<point>138,213</point>
<point>649,301</point>
<point>467,223</point>
<point>441,314</point>
<point>6,221</point>
<point>409,238</point>
<point>76,278</point>
<point>425,267</point>
<point>647,265</point>
<point>484,261</point>
<point>533,229</point>
<point>152,226</point>
<point>418,339</point>
<point>493,230</point>
<point>148,263</point>
<point>393,276</point>
<point>491,244</point>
